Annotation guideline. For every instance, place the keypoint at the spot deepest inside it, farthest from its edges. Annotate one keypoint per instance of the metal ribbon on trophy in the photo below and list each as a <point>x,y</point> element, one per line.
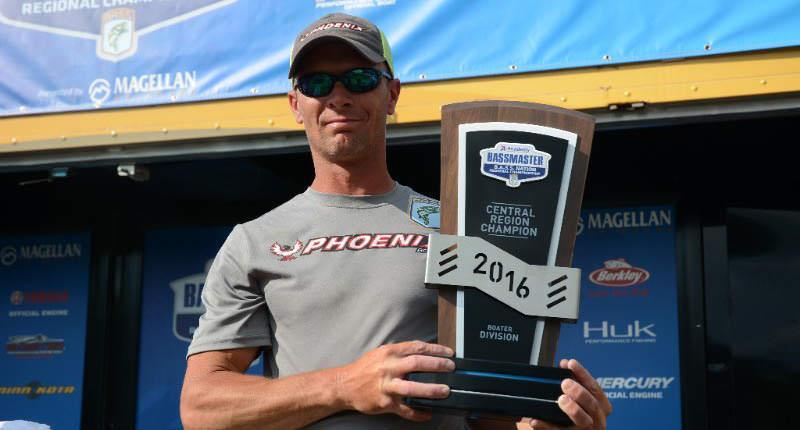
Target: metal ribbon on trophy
<point>511,187</point>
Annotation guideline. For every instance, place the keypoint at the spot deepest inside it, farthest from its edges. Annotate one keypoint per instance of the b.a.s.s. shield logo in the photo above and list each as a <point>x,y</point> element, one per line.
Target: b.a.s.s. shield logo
<point>425,212</point>
<point>188,304</point>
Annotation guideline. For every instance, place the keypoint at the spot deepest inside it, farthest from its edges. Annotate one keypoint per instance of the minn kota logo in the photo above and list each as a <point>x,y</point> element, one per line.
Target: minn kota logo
<point>114,29</point>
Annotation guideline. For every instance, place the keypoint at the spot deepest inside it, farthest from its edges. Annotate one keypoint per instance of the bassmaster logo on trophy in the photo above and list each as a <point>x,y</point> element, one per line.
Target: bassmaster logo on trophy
<point>117,34</point>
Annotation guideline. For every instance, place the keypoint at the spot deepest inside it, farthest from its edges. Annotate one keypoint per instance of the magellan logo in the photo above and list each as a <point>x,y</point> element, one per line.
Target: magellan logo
<point>8,255</point>
<point>99,91</point>
<point>50,251</point>
<point>619,273</point>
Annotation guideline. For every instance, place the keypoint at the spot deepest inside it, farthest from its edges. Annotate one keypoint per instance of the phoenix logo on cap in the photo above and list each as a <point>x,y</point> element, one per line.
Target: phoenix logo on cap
<point>344,25</point>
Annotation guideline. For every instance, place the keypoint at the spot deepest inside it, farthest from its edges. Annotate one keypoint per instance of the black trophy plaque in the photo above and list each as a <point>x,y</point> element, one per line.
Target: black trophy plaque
<point>512,182</point>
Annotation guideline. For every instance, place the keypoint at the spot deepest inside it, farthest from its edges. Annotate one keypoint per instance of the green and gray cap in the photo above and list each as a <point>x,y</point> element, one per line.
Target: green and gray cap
<point>364,36</point>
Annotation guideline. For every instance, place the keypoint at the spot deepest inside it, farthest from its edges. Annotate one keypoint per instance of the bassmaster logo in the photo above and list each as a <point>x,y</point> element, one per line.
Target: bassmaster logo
<point>619,273</point>
<point>356,242</point>
<point>35,389</point>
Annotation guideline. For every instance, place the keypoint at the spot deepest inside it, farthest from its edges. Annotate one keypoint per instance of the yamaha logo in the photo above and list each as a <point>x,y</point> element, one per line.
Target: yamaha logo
<point>619,273</point>
<point>17,297</point>
<point>99,91</point>
<point>8,255</point>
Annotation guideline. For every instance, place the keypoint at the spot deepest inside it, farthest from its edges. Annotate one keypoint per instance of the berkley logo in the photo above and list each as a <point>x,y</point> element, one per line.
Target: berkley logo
<point>619,273</point>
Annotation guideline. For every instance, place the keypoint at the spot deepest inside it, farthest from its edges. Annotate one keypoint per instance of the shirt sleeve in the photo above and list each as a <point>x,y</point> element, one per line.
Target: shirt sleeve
<point>236,314</point>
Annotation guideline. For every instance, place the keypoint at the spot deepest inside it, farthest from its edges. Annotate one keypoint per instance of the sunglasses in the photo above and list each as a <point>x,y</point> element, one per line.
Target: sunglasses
<point>358,80</point>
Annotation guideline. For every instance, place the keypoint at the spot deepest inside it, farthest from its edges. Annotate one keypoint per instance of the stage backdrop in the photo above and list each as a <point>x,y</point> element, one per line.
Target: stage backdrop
<point>44,285</point>
<point>627,334</point>
<point>63,55</point>
<point>175,266</point>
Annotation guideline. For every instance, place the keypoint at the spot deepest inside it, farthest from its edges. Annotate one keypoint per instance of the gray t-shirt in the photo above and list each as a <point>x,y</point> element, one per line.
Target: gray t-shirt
<point>322,279</point>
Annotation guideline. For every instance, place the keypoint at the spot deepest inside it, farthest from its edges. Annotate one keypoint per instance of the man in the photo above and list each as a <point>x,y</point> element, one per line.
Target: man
<point>331,282</point>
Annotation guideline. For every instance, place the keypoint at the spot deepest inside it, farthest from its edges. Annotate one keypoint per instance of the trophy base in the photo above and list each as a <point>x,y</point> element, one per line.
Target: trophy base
<point>497,390</point>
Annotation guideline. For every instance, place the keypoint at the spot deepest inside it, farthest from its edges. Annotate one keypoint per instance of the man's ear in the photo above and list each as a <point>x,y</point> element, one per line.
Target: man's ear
<point>298,117</point>
<point>394,95</point>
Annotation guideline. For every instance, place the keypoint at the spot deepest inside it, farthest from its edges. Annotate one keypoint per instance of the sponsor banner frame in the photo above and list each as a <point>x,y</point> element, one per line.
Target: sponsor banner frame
<point>44,295</point>
<point>629,333</point>
<point>111,53</point>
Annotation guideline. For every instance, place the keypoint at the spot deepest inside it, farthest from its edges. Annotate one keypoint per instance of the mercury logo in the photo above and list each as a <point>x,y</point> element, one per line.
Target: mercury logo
<point>8,255</point>
<point>99,91</point>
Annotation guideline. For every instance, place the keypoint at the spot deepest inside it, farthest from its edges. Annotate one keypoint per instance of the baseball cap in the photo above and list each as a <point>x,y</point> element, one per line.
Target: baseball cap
<point>365,37</point>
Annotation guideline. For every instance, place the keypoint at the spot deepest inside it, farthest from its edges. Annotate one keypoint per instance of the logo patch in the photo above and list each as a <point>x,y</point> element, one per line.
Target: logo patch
<point>425,212</point>
<point>619,273</point>
<point>117,34</point>
<point>286,252</point>
<point>34,345</point>
<point>514,163</point>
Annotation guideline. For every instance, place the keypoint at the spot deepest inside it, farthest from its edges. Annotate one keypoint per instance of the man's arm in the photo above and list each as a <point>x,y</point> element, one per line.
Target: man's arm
<point>216,394</point>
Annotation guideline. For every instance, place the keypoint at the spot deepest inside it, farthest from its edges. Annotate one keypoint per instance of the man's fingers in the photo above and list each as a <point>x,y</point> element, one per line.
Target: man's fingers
<point>587,380</point>
<point>417,347</point>
<point>575,412</point>
<point>402,388</point>
<point>424,363</point>
<point>580,395</point>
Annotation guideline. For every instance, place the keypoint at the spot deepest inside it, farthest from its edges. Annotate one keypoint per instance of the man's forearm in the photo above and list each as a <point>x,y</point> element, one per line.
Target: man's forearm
<point>230,400</point>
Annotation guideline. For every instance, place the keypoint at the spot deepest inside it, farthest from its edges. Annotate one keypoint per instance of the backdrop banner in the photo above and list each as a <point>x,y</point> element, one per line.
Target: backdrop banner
<point>44,290</point>
<point>65,55</point>
<point>627,334</point>
<point>175,265</point>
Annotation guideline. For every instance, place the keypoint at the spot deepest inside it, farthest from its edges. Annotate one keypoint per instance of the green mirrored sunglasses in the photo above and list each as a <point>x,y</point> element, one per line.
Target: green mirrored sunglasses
<point>358,80</point>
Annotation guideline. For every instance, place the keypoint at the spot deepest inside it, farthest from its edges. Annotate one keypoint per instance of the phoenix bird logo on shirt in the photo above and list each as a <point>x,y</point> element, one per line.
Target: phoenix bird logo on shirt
<point>286,252</point>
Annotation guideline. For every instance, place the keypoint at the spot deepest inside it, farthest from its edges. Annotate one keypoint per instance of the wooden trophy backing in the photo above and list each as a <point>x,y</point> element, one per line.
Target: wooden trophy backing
<point>512,112</point>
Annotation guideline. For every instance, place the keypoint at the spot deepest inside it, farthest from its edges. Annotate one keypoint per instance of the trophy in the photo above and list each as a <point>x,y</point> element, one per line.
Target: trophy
<point>511,187</point>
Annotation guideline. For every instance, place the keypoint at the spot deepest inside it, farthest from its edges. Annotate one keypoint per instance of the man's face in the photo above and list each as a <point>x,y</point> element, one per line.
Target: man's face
<point>343,127</point>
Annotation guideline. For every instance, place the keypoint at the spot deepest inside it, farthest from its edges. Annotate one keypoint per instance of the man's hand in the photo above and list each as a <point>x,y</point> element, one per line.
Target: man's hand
<point>583,401</point>
<point>375,383</point>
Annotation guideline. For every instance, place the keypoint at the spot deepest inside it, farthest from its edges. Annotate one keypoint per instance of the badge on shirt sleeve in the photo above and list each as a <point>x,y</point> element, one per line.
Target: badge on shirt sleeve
<point>425,212</point>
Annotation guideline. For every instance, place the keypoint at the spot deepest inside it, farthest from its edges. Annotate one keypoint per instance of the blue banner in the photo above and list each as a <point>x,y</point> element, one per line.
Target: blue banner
<point>175,266</point>
<point>44,290</point>
<point>63,55</point>
<point>627,335</point>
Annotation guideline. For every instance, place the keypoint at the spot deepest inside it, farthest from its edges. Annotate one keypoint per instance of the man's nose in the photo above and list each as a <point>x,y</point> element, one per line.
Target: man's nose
<point>339,96</point>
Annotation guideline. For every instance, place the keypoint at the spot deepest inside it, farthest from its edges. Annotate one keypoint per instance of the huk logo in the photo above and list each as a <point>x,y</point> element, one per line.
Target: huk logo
<point>118,36</point>
<point>514,163</point>
<point>8,255</point>
<point>286,252</point>
<point>605,332</point>
<point>619,273</point>
<point>188,304</point>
